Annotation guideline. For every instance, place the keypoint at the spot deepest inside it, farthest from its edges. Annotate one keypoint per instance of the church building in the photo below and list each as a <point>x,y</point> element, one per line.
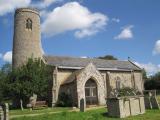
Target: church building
<point>89,79</point>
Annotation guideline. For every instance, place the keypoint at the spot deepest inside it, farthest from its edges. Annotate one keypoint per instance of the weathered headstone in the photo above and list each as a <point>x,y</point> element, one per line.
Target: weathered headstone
<point>1,113</point>
<point>21,102</point>
<point>151,99</point>
<point>6,111</point>
<point>82,105</point>
<point>147,102</point>
<point>154,102</point>
<point>32,101</point>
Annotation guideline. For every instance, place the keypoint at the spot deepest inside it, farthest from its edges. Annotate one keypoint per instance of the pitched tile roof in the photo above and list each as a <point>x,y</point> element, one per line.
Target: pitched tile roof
<point>71,62</point>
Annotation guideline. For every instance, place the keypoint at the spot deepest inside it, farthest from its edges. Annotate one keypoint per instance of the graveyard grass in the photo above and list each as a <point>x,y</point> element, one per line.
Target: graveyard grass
<point>38,111</point>
<point>96,114</point>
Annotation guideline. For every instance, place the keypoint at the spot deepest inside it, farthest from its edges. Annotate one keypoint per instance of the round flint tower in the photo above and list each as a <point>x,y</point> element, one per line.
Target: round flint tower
<point>27,36</point>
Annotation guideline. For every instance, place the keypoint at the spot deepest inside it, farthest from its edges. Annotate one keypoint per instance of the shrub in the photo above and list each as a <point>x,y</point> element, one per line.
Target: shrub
<point>152,84</point>
<point>64,100</point>
<point>127,91</point>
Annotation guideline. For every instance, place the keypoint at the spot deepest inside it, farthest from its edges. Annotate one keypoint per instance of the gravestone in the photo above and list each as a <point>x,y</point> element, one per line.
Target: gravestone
<point>154,102</point>
<point>151,101</point>
<point>1,113</point>
<point>4,112</point>
<point>21,102</point>
<point>82,105</point>
<point>147,101</point>
<point>32,101</point>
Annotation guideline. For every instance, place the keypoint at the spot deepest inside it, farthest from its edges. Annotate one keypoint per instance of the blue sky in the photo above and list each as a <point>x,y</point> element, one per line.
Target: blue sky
<point>92,28</point>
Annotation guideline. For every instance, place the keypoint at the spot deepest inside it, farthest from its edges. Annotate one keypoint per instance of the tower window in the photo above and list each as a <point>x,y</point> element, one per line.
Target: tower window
<point>29,24</point>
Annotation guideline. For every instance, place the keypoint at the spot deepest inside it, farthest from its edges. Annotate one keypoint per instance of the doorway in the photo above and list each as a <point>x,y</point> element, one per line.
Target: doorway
<point>91,92</point>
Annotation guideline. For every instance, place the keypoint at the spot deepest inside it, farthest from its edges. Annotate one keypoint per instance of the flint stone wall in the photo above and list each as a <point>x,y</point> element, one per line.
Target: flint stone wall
<point>26,43</point>
<point>127,79</point>
<point>88,72</point>
<point>105,79</point>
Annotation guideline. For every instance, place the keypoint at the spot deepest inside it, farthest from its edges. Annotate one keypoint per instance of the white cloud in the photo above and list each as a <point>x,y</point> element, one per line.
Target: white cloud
<point>7,6</point>
<point>83,57</point>
<point>85,32</point>
<point>116,20</point>
<point>44,3</point>
<point>7,57</point>
<point>149,67</point>
<point>73,16</point>
<point>156,49</point>
<point>126,33</point>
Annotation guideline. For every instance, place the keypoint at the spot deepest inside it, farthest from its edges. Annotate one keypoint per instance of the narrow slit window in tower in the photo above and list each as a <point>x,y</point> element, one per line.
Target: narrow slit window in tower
<point>29,24</point>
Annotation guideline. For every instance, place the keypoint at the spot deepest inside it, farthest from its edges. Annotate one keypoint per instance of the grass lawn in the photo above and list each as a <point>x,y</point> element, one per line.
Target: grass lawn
<point>38,111</point>
<point>98,114</point>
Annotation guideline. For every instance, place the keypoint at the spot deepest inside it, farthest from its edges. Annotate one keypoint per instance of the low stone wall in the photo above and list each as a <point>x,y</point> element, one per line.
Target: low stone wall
<point>4,111</point>
<point>125,106</point>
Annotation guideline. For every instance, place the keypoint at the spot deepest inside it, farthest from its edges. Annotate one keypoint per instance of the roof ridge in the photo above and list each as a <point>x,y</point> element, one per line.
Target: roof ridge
<point>134,64</point>
<point>74,57</point>
<point>71,62</point>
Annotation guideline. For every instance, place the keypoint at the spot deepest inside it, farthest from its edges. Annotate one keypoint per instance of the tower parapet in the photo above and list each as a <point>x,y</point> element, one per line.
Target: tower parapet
<point>27,36</point>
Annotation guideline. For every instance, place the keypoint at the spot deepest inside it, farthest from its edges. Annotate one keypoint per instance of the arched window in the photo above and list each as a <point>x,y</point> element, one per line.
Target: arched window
<point>29,24</point>
<point>118,83</point>
<point>91,92</point>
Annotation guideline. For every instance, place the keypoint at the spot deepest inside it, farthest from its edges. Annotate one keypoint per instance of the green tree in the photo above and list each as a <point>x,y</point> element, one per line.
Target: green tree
<point>156,76</point>
<point>34,77</point>
<point>4,72</point>
<point>144,74</point>
<point>108,57</point>
<point>1,85</point>
<point>153,82</point>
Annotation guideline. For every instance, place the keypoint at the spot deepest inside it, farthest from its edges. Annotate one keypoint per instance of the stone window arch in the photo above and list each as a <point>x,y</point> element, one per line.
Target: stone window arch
<point>29,24</point>
<point>118,83</point>
<point>91,92</point>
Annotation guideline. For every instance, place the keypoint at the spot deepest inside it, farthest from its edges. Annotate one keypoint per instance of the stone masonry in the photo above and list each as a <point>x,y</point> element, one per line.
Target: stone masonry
<point>88,72</point>
<point>26,42</point>
<point>106,82</point>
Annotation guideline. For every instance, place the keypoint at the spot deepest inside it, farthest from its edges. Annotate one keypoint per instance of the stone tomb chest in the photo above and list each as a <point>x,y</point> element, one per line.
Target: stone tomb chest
<point>125,106</point>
